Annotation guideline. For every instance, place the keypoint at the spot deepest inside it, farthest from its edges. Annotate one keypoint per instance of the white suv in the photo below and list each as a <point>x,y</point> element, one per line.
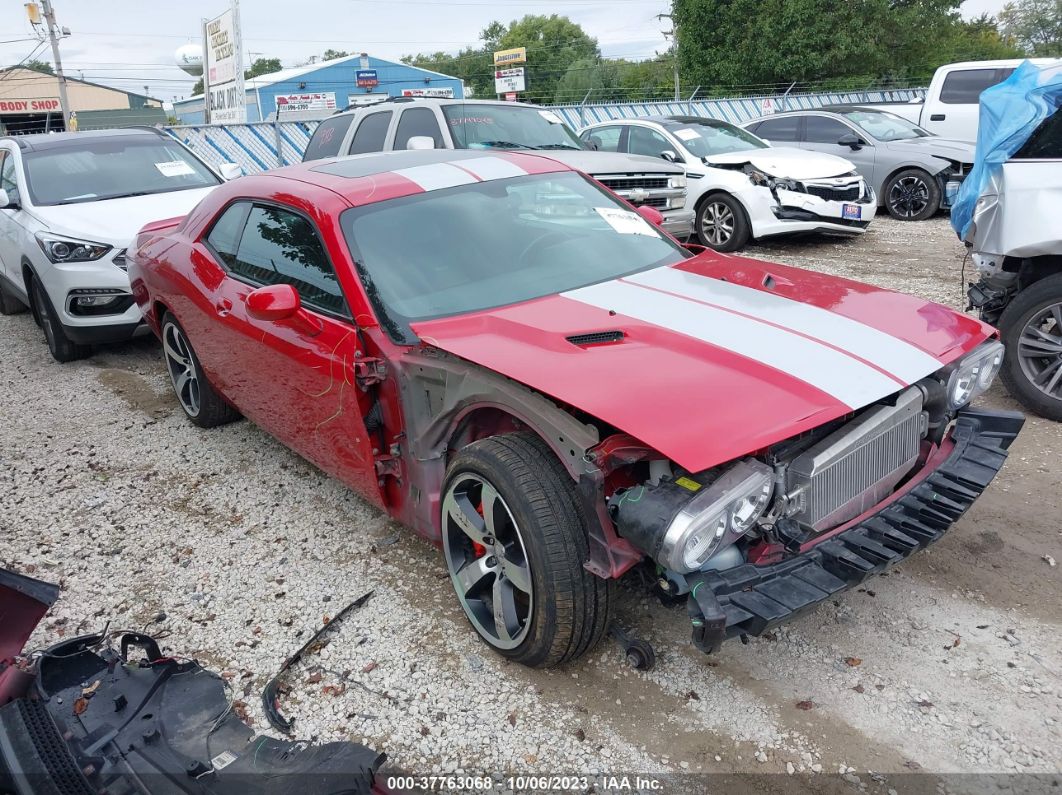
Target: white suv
<point>70,205</point>
<point>739,186</point>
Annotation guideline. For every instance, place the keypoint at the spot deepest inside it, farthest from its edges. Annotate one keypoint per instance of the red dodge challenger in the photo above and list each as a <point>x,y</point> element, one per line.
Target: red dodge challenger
<point>514,362</point>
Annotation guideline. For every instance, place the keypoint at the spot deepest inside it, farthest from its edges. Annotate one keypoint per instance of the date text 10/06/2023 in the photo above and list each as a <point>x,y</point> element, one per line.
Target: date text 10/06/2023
<point>527,783</point>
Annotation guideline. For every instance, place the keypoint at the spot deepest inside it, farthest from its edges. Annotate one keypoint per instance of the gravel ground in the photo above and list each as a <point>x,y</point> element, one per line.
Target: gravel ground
<point>240,549</point>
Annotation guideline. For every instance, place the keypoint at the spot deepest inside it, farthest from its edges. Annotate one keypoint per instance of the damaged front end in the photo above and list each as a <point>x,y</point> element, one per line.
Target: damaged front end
<point>752,543</point>
<point>85,717</point>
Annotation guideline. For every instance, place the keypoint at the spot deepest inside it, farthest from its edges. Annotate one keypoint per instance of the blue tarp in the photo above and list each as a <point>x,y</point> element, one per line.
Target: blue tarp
<point>1010,112</point>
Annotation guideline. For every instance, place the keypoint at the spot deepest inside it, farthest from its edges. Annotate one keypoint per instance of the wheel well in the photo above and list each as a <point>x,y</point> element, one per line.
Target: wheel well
<point>479,424</point>
<point>898,169</point>
<point>27,278</point>
<point>159,309</point>
<point>1033,269</point>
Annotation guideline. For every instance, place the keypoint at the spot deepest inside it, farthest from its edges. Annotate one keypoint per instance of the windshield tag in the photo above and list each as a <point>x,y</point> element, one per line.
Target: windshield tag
<point>687,135</point>
<point>175,168</point>
<point>551,117</point>
<point>625,222</point>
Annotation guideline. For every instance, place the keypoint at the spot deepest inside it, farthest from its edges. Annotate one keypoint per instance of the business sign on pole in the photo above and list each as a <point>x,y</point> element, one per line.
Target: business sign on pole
<point>301,103</point>
<point>767,106</point>
<point>223,54</point>
<point>510,97</point>
<point>366,78</point>
<point>510,57</point>
<point>509,80</point>
<point>438,93</point>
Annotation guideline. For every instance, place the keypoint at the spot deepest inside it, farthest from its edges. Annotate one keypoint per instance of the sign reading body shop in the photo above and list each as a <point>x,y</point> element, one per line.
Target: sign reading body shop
<point>223,53</point>
<point>43,105</point>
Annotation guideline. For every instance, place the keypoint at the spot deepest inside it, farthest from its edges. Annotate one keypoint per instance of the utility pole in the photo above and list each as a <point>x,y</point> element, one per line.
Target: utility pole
<point>49,18</point>
<point>673,33</point>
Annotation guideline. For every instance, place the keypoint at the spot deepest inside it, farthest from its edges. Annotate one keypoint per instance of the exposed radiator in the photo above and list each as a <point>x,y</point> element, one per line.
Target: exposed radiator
<point>859,465</point>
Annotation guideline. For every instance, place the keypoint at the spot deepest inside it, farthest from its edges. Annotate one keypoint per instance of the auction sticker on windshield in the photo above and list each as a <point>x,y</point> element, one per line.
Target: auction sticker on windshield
<point>687,135</point>
<point>851,211</point>
<point>175,168</point>
<point>625,222</point>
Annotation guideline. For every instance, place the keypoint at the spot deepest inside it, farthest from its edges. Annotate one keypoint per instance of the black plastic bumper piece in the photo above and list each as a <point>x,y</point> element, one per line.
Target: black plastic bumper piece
<point>748,600</point>
<point>102,334</point>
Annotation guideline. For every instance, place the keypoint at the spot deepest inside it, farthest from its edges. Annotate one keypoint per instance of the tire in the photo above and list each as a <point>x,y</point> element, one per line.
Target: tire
<point>540,534</point>
<point>1039,306</point>
<point>911,195</point>
<point>721,223</point>
<point>63,350</point>
<point>10,304</point>
<point>201,403</point>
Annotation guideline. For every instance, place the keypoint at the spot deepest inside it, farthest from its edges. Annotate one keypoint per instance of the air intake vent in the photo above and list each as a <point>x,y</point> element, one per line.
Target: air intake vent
<point>596,338</point>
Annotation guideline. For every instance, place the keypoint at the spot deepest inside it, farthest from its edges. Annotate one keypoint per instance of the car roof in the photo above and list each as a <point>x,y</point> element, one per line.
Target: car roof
<point>368,178</point>
<point>440,101</point>
<point>64,140</point>
<point>663,121</point>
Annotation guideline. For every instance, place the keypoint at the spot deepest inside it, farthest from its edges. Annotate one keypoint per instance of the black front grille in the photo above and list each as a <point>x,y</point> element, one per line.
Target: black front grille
<point>595,338</point>
<point>846,194</point>
<point>653,201</point>
<point>633,183</point>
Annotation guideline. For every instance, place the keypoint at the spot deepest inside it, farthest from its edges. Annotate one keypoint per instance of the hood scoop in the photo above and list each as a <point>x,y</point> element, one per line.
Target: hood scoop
<point>596,338</point>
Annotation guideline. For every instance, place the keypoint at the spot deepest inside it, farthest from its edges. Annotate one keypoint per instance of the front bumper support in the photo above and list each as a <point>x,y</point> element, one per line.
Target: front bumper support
<point>748,599</point>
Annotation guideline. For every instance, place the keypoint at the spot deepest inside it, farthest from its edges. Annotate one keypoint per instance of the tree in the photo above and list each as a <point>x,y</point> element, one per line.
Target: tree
<point>1034,25</point>
<point>39,66</point>
<point>331,55</point>
<point>554,44</point>
<point>261,66</point>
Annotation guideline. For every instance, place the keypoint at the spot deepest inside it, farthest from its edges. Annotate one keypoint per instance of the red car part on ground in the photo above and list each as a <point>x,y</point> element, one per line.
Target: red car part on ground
<point>424,324</point>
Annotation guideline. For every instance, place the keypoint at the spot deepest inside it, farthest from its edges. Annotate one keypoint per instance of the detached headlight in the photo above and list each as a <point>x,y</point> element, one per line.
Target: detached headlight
<point>974,373</point>
<point>66,249</point>
<point>717,515</point>
<point>678,181</point>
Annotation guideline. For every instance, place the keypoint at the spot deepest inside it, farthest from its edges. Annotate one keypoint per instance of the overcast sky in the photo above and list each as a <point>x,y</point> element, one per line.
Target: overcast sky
<point>130,43</point>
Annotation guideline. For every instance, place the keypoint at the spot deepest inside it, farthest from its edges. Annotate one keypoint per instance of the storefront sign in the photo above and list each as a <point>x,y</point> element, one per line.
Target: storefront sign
<point>438,93</point>
<point>510,57</point>
<point>509,80</point>
<point>366,78</point>
<point>224,65</point>
<point>300,103</point>
<point>40,105</point>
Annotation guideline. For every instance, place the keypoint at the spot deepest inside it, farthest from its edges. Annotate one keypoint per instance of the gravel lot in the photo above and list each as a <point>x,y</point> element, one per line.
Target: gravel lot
<point>240,549</point>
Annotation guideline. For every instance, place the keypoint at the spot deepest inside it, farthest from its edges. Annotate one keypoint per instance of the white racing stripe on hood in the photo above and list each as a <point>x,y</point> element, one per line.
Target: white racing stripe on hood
<point>848,380</point>
<point>491,168</point>
<point>891,354</point>
<point>436,176</point>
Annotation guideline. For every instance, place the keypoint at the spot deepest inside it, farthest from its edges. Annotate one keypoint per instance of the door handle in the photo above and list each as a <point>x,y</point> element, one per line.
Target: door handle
<point>936,117</point>
<point>223,307</point>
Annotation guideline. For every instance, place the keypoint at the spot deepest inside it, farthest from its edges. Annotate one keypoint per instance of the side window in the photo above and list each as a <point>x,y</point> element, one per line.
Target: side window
<point>822,130</point>
<point>643,141</point>
<point>224,237</point>
<point>7,173</point>
<point>784,129</point>
<point>371,133</point>
<point>282,247</point>
<point>417,121</point>
<point>964,87</point>
<point>1045,142</point>
<point>328,137</point>
<point>604,139</point>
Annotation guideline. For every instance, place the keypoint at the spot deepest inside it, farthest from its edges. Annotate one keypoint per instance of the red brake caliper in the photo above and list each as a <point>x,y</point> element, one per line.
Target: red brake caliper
<point>477,547</point>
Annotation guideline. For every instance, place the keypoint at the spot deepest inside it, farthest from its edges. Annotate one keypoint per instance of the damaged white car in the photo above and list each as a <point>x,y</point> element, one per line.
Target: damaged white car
<point>1009,221</point>
<point>741,187</point>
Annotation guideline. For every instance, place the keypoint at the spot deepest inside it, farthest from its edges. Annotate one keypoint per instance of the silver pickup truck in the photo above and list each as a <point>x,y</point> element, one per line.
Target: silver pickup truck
<point>423,123</point>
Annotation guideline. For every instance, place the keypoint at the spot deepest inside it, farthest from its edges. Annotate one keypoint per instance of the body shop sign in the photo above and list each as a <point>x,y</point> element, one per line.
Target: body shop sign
<point>42,105</point>
<point>224,64</point>
<point>301,103</point>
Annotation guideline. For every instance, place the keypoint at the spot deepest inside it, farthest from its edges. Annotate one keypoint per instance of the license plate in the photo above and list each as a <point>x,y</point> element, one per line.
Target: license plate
<point>852,212</point>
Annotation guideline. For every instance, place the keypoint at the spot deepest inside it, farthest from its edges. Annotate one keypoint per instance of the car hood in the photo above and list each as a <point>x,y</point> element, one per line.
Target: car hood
<point>788,162</point>
<point>962,151</point>
<point>116,221</point>
<point>596,163</point>
<point>23,603</point>
<point>716,357</point>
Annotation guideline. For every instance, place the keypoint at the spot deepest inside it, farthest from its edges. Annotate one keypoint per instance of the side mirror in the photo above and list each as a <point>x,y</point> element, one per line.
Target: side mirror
<point>6,202</point>
<point>670,156</point>
<point>650,214</point>
<point>275,302</point>
<point>420,142</point>
<point>851,140</point>
<point>230,171</point>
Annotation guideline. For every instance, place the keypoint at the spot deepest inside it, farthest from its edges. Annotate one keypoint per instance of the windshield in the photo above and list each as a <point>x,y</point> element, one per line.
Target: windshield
<point>489,244</point>
<point>477,126</point>
<point>110,168</point>
<point>707,138</point>
<point>885,126</point>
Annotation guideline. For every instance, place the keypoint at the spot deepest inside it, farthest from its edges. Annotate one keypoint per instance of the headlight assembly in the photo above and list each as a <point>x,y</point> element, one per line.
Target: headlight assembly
<point>763,180</point>
<point>65,249</point>
<point>678,181</point>
<point>717,515</point>
<point>974,373</point>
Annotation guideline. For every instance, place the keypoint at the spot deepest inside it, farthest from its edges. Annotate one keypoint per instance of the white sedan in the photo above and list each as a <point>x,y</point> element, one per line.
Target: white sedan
<point>741,186</point>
